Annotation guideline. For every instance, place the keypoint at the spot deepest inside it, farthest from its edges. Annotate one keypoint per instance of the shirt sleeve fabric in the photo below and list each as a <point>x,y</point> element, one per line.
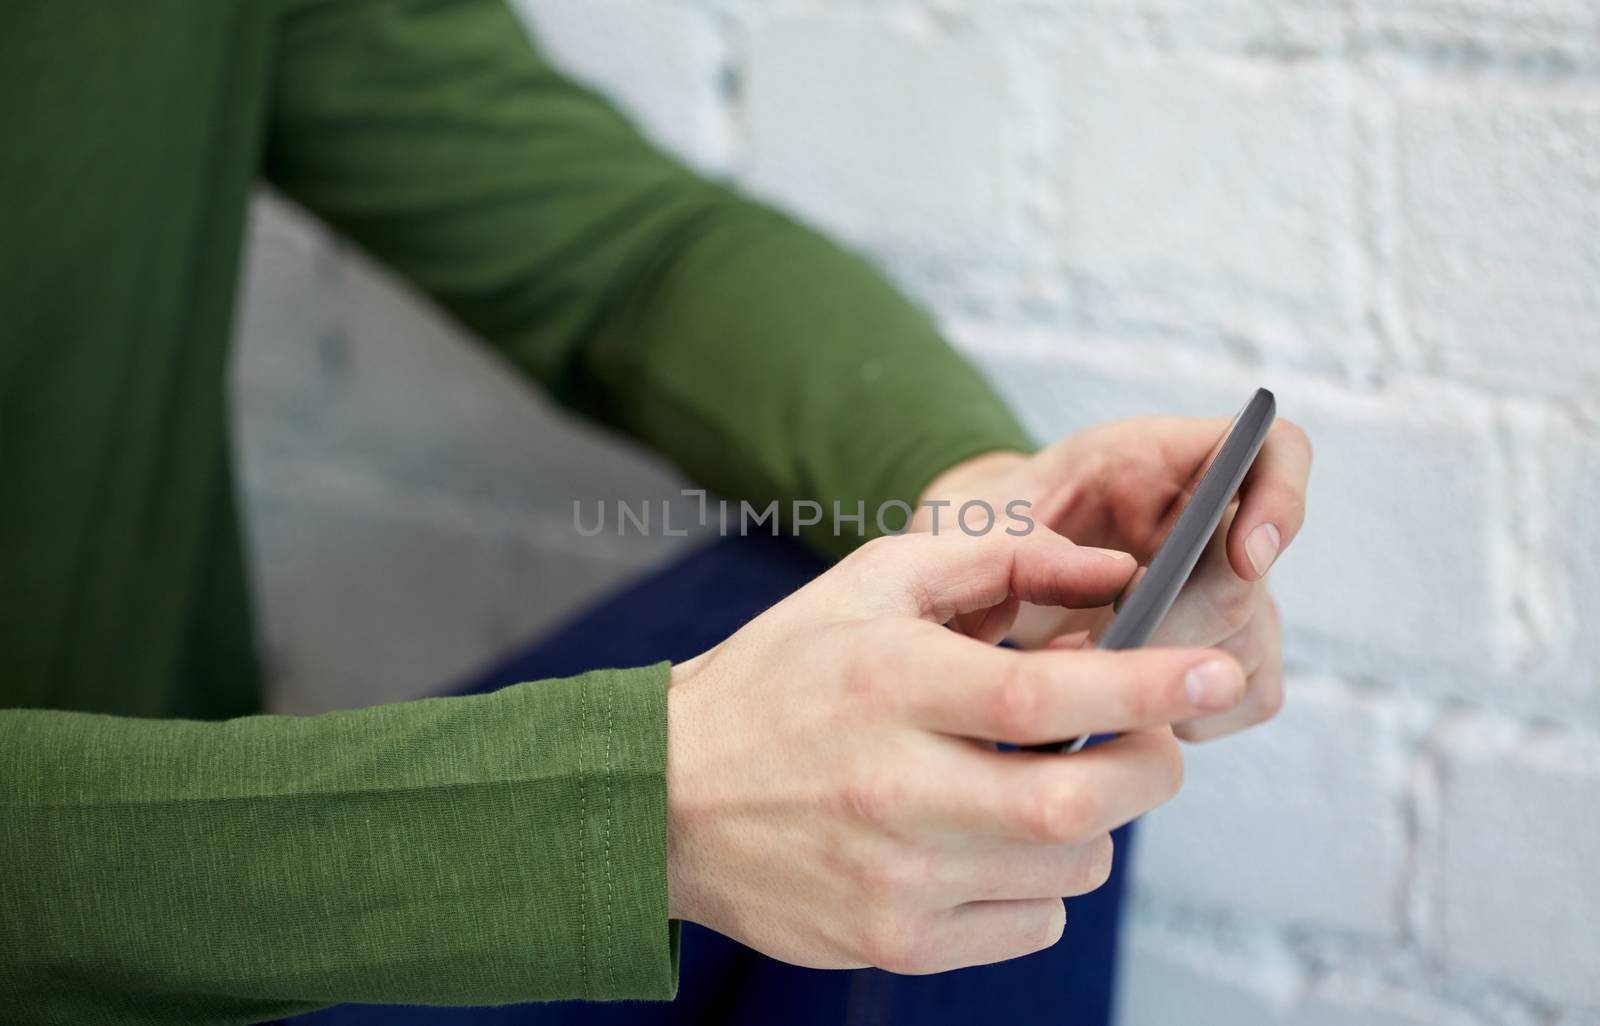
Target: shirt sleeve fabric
<point>766,361</point>
<point>508,847</point>
<point>474,850</point>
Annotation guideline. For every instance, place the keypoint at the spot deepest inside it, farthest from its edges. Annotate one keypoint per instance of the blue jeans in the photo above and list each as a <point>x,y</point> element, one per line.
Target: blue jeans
<point>677,613</point>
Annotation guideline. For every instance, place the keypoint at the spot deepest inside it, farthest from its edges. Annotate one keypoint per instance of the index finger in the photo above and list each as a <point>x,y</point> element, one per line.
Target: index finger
<point>1272,501</point>
<point>938,577</point>
<point>959,686</point>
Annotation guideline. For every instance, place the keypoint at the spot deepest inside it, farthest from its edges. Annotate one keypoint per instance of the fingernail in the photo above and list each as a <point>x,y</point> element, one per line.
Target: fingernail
<point>1114,554</point>
<point>1217,684</point>
<point>1262,547</point>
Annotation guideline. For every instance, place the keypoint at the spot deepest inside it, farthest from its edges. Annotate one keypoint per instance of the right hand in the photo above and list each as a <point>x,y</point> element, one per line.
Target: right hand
<point>834,796</point>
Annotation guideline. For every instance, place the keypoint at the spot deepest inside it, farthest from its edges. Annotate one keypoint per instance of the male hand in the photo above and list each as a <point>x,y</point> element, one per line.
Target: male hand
<point>1113,485</point>
<point>835,798</point>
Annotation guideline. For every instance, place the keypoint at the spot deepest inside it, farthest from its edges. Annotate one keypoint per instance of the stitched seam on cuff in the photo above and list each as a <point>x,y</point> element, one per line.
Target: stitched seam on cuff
<point>611,931</point>
<point>584,955</point>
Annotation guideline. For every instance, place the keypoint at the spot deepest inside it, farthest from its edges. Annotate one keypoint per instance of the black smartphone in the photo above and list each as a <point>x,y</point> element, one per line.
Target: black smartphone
<point>1194,517</point>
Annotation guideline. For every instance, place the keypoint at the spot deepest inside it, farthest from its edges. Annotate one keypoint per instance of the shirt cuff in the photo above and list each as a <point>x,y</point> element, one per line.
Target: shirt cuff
<point>632,947</point>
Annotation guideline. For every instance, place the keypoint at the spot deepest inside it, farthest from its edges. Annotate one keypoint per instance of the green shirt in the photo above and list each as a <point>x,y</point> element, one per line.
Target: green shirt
<point>169,857</point>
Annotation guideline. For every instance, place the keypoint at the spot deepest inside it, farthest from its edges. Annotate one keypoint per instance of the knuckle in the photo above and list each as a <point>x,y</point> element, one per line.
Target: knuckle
<point>1296,435</point>
<point>879,572</point>
<point>876,552</point>
<point>1053,818</point>
<point>1038,818</point>
<point>1294,507</point>
<point>874,797</point>
<point>1014,704</point>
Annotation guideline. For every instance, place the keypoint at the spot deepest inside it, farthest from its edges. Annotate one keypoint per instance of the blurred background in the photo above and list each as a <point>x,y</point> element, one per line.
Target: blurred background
<point>1388,211</point>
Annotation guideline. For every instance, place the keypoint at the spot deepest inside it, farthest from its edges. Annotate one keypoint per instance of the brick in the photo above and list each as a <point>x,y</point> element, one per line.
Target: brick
<point>1061,380</point>
<point>1399,572</point>
<point>898,134</point>
<point>1518,833</point>
<point>1402,572</point>
<point>1355,999</point>
<point>1167,978</point>
<point>1211,197</point>
<point>1278,27</point>
<point>1572,474</point>
<point>1258,831</point>
<point>1195,975</point>
<point>1381,1011</point>
<point>1490,15</point>
<point>1500,237</point>
<point>1535,35</point>
<point>661,63</point>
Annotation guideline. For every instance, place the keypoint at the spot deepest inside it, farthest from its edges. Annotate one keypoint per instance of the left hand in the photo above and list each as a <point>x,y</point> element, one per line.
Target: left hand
<point>1111,486</point>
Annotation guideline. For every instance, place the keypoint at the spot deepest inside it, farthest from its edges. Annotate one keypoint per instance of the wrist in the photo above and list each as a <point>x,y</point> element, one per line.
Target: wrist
<point>682,899</point>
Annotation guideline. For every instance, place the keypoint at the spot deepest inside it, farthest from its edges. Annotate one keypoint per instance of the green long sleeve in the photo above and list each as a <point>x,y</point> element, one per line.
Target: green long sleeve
<point>496,848</point>
<point>503,848</point>
<point>767,362</point>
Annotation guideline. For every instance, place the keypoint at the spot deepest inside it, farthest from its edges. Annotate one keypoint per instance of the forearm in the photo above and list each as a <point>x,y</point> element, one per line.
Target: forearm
<point>506,847</point>
<point>771,364</point>
<point>763,359</point>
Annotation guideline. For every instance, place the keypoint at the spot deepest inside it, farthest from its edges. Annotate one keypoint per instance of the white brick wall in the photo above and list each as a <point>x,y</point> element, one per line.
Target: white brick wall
<point>1150,159</point>
<point>898,131</point>
<point>1500,238</point>
<point>664,63</point>
<point>1570,540</point>
<point>1518,807</point>
<point>1338,861</point>
<point>1387,211</point>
